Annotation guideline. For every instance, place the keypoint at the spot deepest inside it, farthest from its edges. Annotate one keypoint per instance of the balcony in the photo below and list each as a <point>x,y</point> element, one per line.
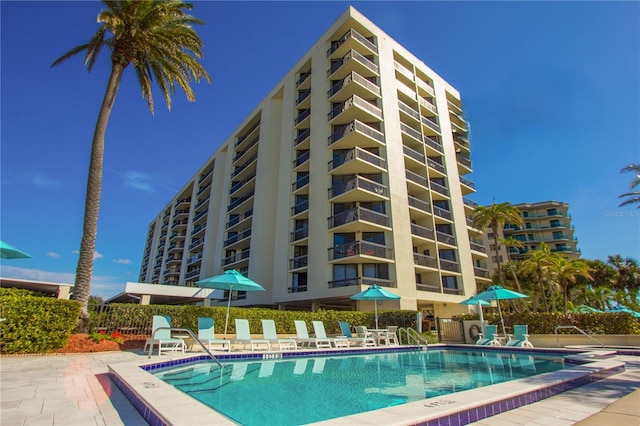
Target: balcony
<point>403,70</point>
<point>427,107</point>
<point>445,238</point>
<point>424,260</point>
<point>477,247</point>
<point>407,91</point>
<point>304,94</point>
<point>241,218</point>
<point>192,275</point>
<point>440,212</point>
<point>465,162</point>
<point>467,182</point>
<point>422,231</point>
<point>184,201</point>
<point>300,183</point>
<point>351,135</point>
<point>237,237</point>
<point>433,143</point>
<point>299,262</point>
<point>200,215</point>
<point>426,87</point>
<point>358,189</point>
<point>303,78</point>
<point>205,175</point>
<point>416,178</point>
<point>449,265</point>
<point>297,289</point>
<point>430,123</point>
<point>299,234</point>
<point>197,229</point>
<point>361,281</point>
<point>176,235</point>
<point>440,189</point>
<point>352,61</point>
<point>436,166</point>
<point>411,153</point>
<point>482,273</point>
<point>352,108</point>
<point>353,84</point>
<point>348,41</point>
<point>419,204</point>
<point>236,258</point>
<point>237,185</point>
<point>411,132</point>
<point>235,202</point>
<point>358,160</point>
<point>410,112</point>
<point>470,203</point>
<point>246,149</point>
<point>303,114</point>
<point>194,259</point>
<point>248,133</point>
<point>300,208</point>
<point>196,243</point>
<point>303,135</point>
<point>356,217</point>
<point>360,248</point>
<point>301,159</point>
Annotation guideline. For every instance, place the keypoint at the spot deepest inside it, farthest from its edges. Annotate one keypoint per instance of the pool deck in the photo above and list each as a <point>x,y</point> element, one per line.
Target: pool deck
<point>75,390</point>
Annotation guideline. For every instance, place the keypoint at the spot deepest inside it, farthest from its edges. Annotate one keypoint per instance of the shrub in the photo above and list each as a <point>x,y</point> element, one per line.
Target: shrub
<point>33,323</point>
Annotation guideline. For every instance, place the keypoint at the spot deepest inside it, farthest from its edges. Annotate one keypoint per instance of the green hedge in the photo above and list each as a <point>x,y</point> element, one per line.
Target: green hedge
<point>119,316</point>
<point>545,323</point>
<point>33,323</point>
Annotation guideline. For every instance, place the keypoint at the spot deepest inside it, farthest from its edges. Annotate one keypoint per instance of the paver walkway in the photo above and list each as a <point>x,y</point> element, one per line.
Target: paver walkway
<point>74,390</point>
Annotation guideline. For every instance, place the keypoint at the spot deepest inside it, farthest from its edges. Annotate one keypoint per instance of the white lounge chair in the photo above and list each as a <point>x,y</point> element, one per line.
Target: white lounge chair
<point>243,335</point>
<point>320,333</point>
<point>303,338</point>
<point>520,337</point>
<point>207,335</point>
<point>161,336</point>
<point>358,341</point>
<point>362,332</point>
<point>269,333</point>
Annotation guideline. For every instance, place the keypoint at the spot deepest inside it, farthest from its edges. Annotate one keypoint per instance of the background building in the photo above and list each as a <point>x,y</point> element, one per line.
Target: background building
<point>546,221</point>
<point>350,172</point>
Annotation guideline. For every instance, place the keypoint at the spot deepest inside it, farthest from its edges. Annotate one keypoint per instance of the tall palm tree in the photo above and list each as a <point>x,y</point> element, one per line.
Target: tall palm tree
<point>633,197</point>
<point>627,279</point>
<point>495,217</point>
<point>508,244</point>
<point>539,263</point>
<point>158,39</point>
<point>567,271</point>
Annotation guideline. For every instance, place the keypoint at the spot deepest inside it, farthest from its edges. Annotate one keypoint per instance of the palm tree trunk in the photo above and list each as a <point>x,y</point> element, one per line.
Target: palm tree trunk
<point>497,247</point>
<point>518,286</point>
<point>542,292</point>
<point>84,269</point>
<point>565,287</point>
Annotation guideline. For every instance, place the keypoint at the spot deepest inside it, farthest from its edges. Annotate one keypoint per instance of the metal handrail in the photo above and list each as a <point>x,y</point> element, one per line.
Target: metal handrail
<point>413,335</point>
<point>153,335</point>
<point>555,331</point>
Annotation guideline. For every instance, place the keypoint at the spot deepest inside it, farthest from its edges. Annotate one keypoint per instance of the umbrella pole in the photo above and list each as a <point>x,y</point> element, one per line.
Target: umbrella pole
<point>375,310</point>
<point>501,320</point>
<point>226,321</point>
<point>481,317</point>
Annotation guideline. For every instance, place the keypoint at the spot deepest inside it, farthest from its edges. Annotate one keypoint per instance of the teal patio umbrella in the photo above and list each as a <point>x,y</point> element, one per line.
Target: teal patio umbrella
<point>585,309</point>
<point>375,293</point>
<point>480,303</point>
<point>620,308</point>
<point>7,251</point>
<point>496,292</point>
<point>230,280</point>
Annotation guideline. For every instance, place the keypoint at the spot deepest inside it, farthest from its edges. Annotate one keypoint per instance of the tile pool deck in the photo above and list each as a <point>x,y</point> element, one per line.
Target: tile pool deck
<point>75,390</point>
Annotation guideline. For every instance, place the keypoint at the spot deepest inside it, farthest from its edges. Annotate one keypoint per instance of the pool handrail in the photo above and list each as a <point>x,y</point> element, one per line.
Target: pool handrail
<point>555,331</point>
<point>412,334</point>
<point>188,331</point>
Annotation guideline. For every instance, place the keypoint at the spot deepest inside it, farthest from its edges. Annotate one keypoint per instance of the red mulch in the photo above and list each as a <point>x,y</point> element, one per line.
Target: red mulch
<point>82,343</point>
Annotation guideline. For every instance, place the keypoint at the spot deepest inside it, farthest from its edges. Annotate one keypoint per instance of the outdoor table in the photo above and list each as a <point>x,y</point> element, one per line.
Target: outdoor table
<point>377,333</point>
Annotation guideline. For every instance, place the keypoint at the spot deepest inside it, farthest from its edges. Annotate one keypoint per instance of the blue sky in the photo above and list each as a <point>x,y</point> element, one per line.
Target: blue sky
<point>552,91</point>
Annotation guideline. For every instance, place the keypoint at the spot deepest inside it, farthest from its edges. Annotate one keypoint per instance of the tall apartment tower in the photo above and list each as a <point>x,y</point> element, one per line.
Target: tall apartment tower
<point>348,173</point>
<point>546,222</point>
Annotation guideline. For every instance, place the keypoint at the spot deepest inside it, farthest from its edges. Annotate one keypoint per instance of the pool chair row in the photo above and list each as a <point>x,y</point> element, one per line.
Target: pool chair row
<point>519,338</point>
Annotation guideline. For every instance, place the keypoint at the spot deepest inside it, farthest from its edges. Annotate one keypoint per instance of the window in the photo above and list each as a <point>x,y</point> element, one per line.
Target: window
<point>375,270</point>
<point>557,235</point>
<point>299,282</point>
<point>448,254</point>
<point>450,282</point>
<point>344,275</point>
<point>527,225</point>
<point>374,237</point>
<point>530,236</point>
<point>418,278</point>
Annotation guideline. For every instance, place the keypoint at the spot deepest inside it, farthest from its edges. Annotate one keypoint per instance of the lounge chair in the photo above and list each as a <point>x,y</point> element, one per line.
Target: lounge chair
<point>520,337</point>
<point>490,331</point>
<point>358,341</point>
<point>269,333</point>
<point>362,331</point>
<point>243,335</point>
<point>320,333</point>
<point>302,337</point>
<point>162,337</point>
<point>207,335</point>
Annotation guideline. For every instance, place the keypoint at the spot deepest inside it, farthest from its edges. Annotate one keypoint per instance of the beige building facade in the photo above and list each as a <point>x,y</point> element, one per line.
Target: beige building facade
<point>351,172</point>
<point>546,222</point>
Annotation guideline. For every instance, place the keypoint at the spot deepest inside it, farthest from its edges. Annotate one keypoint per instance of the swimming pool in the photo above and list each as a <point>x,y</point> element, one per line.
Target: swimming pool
<point>162,404</point>
<point>307,390</point>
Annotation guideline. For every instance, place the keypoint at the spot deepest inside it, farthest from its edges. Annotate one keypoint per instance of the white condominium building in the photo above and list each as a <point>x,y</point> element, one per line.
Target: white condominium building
<point>349,173</point>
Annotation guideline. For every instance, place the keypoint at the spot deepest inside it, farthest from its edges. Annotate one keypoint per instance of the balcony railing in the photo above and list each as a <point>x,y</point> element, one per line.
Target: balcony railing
<point>464,161</point>
<point>303,78</point>
<point>301,159</point>
<point>243,166</point>
<point>354,100</point>
<point>360,248</point>
<point>302,96</point>
<point>235,258</point>
<point>439,188</point>
<point>424,260</point>
<point>299,234</point>
<point>408,110</point>
<point>194,259</point>
<point>359,127</point>
<point>301,182</point>
<point>360,281</point>
<point>239,154</point>
<point>446,238</point>
<point>356,214</point>
<point>419,204</point>
<point>437,166</point>
<point>360,154</point>
<point>237,237</point>
<point>449,265</point>
<point>477,247</point>
<point>302,136</point>
<point>469,202</point>
<point>413,154</point>
<point>195,243</point>
<point>416,178</point>
<point>239,218</point>
<point>422,231</point>
<point>428,105</point>
<point>300,207</point>
<point>427,88</point>
<point>430,123</point>
<point>356,78</point>
<point>246,135</point>
<point>410,131</point>
<point>235,202</point>
<point>299,262</point>
<point>297,289</point>
<point>481,272</point>
<point>358,183</point>
<point>361,59</point>
<point>351,34</point>
<point>467,182</point>
<point>439,211</point>
<point>403,70</point>
<point>302,115</point>
<point>433,143</point>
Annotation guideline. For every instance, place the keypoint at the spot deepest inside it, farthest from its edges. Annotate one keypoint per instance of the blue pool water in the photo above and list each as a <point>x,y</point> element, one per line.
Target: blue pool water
<point>306,390</point>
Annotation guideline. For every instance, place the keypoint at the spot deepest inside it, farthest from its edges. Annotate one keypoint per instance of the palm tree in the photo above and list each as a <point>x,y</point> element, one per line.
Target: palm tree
<point>508,244</point>
<point>495,217</point>
<point>158,39</point>
<point>567,271</point>
<point>633,197</point>
<point>627,279</point>
<point>539,263</point>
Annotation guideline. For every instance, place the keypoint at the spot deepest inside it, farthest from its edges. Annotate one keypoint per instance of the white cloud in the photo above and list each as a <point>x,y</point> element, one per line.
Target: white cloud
<point>53,254</point>
<point>105,286</point>
<point>122,261</point>
<point>137,180</point>
<point>96,255</point>
<point>41,180</point>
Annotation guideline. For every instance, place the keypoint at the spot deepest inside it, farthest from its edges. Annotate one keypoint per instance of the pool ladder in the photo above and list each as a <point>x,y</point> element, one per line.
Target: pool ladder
<point>573,327</point>
<point>190,333</point>
<point>412,337</point>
